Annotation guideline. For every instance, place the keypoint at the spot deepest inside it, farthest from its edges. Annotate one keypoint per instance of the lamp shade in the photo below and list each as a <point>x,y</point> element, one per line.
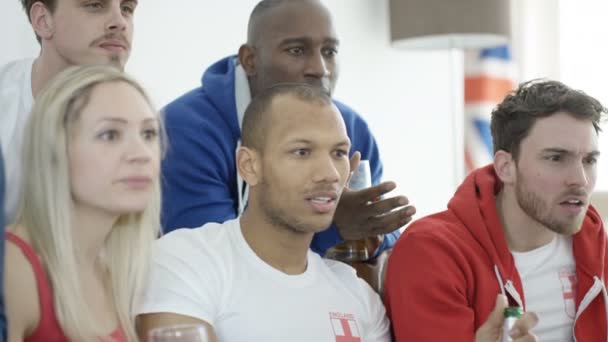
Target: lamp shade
<point>440,24</point>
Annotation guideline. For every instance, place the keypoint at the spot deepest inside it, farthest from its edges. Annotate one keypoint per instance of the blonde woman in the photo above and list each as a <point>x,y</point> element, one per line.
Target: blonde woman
<point>78,253</point>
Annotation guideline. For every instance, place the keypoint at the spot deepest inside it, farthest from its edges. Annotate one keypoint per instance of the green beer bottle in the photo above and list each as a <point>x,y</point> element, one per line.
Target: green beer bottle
<point>511,314</point>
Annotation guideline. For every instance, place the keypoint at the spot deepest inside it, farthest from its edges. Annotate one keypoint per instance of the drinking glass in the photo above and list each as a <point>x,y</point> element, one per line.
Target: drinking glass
<point>354,250</point>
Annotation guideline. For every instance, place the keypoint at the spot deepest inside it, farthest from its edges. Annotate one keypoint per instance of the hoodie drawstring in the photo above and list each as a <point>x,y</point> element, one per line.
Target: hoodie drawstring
<point>507,288</point>
<point>497,273</point>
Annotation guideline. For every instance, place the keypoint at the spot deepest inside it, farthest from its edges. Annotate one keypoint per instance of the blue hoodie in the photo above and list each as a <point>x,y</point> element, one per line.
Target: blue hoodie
<point>199,171</point>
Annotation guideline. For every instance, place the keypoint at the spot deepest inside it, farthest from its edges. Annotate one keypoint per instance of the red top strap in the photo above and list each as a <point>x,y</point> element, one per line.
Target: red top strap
<point>48,328</point>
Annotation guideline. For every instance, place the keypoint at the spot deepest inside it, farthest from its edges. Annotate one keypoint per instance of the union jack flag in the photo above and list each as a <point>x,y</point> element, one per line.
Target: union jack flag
<point>489,76</point>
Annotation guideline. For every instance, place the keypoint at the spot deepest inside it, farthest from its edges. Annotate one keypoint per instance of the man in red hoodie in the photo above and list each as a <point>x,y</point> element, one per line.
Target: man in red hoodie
<point>521,227</point>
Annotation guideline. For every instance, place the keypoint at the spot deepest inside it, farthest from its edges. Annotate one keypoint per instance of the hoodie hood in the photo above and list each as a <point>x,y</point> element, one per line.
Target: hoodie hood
<point>219,87</point>
<point>474,204</point>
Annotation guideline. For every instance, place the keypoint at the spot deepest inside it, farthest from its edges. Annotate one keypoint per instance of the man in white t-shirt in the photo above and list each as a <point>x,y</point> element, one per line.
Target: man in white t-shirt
<point>255,278</point>
<point>521,226</point>
<point>70,33</point>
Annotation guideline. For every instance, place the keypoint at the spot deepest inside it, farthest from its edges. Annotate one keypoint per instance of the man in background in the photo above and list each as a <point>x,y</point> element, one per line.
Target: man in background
<point>287,41</point>
<point>70,33</point>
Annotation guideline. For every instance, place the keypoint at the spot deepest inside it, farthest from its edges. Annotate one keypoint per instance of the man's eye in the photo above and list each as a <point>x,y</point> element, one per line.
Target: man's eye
<point>128,9</point>
<point>301,152</point>
<point>330,52</point>
<point>296,51</point>
<point>341,153</point>
<point>591,160</point>
<point>94,5</point>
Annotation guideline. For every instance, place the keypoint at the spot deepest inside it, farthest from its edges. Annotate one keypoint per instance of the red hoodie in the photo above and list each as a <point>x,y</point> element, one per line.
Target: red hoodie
<point>446,269</point>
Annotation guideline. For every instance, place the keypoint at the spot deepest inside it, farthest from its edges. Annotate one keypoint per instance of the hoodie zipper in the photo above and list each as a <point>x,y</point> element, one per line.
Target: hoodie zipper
<point>598,286</point>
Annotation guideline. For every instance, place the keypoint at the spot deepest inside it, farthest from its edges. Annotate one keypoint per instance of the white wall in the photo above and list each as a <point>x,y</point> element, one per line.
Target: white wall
<point>583,57</point>
<point>16,36</point>
<point>583,52</point>
<point>536,40</point>
<point>566,40</point>
<point>403,95</point>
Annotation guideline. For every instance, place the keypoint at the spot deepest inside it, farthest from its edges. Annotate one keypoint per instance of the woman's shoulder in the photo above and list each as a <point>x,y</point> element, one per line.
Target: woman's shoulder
<point>21,292</point>
<point>19,249</point>
<point>19,252</point>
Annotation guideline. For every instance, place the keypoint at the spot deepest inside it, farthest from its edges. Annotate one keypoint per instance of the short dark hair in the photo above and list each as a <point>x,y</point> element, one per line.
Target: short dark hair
<point>256,120</point>
<point>513,119</point>
<point>27,7</point>
<point>258,11</point>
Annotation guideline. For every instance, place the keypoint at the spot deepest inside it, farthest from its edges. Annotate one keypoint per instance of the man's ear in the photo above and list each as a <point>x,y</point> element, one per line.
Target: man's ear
<point>505,167</point>
<point>247,59</point>
<point>42,20</point>
<point>248,165</point>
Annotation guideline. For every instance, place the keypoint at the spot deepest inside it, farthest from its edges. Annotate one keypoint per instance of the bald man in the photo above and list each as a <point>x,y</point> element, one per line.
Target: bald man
<point>288,41</point>
<point>255,278</point>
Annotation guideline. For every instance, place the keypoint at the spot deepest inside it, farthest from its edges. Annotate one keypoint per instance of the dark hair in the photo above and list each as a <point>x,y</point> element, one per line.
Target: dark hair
<point>256,120</point>
<point>513,119</point>
<point>258,11</point>
<point>27,7</point>
<point>261,8</point>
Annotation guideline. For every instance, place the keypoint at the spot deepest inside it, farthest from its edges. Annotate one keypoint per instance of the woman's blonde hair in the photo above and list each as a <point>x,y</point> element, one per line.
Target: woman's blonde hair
<point>46,208</point>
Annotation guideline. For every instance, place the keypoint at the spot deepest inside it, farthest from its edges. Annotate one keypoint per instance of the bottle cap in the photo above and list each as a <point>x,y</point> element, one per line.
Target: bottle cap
<point>513,311</point>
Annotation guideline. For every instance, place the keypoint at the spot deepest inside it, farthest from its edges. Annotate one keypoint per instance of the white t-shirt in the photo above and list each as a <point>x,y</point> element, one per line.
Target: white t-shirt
<point>210,273</point>
<point>549,279</point>
<point>16,103</point>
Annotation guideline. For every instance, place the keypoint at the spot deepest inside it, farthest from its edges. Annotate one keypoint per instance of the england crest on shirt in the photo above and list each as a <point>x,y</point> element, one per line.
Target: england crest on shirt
<point>567,276</point>
<point>345,327</point>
